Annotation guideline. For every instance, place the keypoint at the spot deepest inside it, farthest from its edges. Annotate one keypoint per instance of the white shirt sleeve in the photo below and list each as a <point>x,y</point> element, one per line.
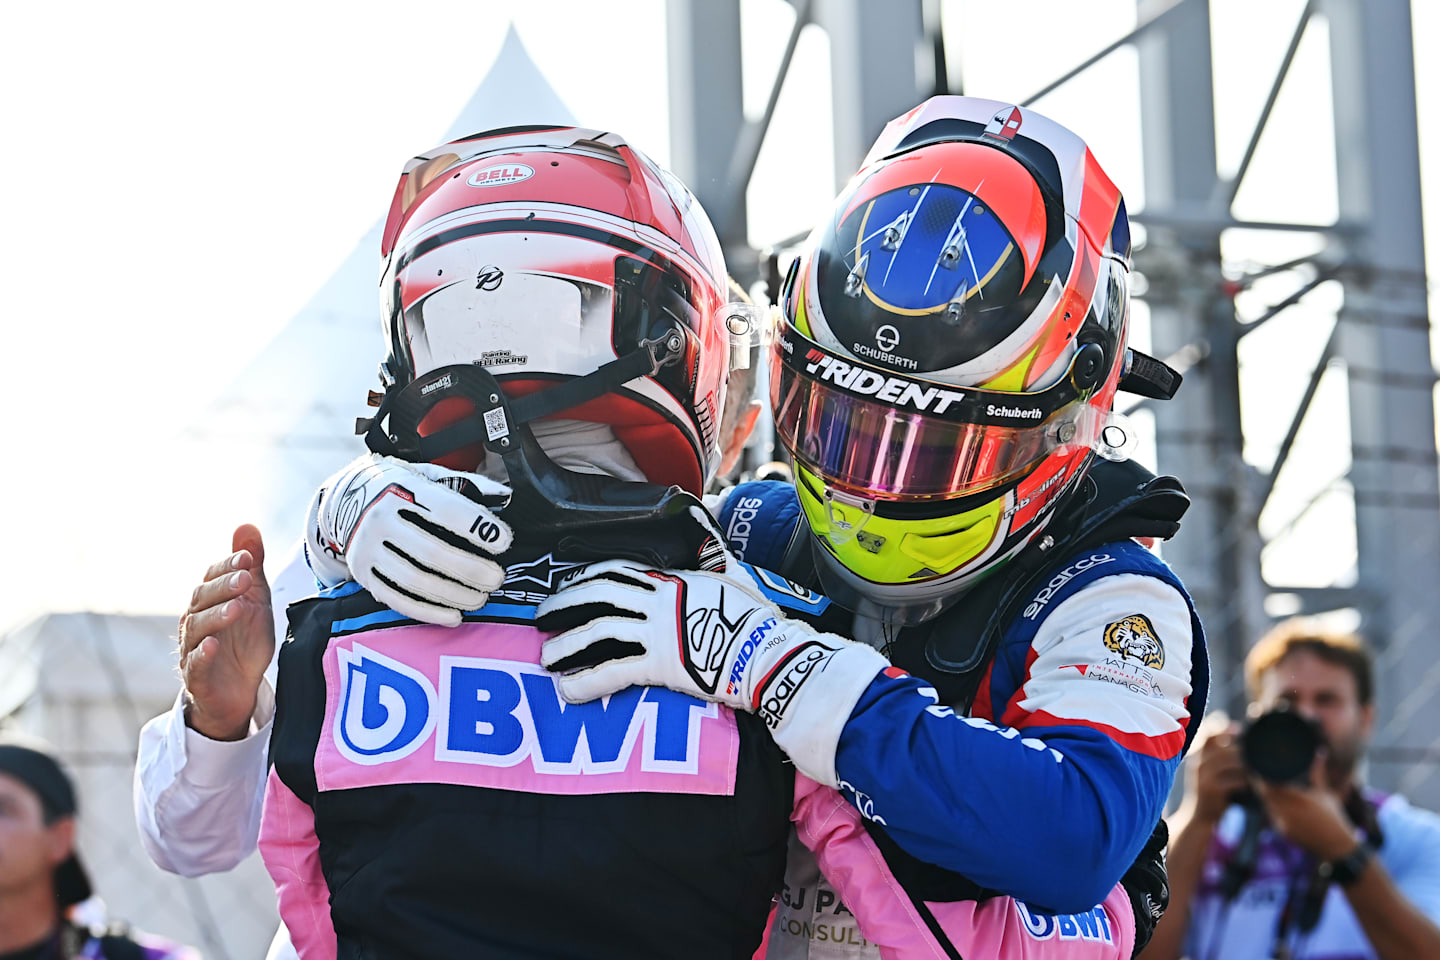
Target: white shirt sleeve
<point>197,800</point>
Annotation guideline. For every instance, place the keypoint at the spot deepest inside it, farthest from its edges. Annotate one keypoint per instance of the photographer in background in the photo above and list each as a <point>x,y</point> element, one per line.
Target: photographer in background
<point>1304,862</point>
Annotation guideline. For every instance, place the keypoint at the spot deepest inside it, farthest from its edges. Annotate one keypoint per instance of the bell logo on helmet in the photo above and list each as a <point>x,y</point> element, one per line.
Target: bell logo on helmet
<point>500,174</point>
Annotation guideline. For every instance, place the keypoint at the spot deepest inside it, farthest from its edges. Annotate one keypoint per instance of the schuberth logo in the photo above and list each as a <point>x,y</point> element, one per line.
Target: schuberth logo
<point>1134,638</point>
<point>881,356</point>
<point>1022,413</point>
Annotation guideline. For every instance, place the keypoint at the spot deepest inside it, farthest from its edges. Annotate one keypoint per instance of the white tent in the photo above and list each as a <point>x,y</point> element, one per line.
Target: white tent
<point>87,682</point>
<point>299,399</point>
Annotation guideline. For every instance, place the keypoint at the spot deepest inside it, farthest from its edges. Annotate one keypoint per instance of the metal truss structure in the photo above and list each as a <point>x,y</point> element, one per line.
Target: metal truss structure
<point>886,56</point>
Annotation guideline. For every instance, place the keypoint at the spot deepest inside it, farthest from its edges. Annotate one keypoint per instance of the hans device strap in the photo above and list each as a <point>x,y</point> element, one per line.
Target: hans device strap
<point>545,498</point>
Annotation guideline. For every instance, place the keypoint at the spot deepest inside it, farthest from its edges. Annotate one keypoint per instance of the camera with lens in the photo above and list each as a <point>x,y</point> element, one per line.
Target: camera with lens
<point>1279,746</point>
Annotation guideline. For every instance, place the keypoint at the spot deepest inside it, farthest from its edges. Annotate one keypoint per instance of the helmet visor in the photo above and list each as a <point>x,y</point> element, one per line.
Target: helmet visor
<point>863,429</point>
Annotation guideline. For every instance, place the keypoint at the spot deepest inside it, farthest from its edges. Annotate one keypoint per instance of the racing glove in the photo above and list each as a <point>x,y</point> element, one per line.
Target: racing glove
<point>713,636</point>
<point>419,537</point>
<point>1148,885</point>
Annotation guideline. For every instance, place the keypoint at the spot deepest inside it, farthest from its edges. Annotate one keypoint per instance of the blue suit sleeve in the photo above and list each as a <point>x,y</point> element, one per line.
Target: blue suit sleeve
<point>1052,815</point>
<point>1052,803</point>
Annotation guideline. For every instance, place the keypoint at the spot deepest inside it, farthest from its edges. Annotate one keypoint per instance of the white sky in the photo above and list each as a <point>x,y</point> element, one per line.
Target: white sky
<point>184,176</point>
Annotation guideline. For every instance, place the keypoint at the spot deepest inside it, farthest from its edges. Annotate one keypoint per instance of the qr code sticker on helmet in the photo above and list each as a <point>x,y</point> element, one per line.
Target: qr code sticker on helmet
<point>495,425</point>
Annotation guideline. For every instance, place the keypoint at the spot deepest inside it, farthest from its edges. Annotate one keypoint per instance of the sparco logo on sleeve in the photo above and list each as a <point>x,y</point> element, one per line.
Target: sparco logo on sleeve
<point>738,533</point>
<point>1047,592</point>
<point>868,383</point>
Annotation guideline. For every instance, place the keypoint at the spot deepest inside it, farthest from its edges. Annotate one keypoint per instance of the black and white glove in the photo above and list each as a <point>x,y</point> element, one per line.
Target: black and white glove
<point>417,536</point>
<point>713,636</point>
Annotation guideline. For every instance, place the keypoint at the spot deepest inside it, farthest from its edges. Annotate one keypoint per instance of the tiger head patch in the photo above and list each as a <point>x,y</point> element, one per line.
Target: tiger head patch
<point>1134,638</point>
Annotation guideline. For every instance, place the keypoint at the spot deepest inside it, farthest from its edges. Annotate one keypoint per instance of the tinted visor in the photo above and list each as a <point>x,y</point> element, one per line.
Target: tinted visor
<point>863,429</point>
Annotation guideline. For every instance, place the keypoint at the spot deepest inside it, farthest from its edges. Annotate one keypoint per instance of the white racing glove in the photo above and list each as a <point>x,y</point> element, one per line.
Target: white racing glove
<point>714,636</point>
<point>416,535</point>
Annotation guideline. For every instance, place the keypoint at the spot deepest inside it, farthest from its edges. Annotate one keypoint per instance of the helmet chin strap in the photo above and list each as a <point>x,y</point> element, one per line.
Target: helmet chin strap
<point>545,497</point>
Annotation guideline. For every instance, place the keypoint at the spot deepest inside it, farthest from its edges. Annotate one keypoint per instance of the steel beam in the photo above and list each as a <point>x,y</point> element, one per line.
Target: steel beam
<point>1324,276</point>
<point>1198,434</point>
<point>1151,15</point>
<point>1384,328</point>
<point>752,137</point>
<point>872,70</point>
<point>1293,431</point>
<point>1233,186</point>
<point>707,106</point>
<point>1205,219</point>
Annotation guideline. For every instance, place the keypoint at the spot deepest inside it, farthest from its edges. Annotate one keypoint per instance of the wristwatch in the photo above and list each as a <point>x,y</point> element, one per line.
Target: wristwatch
<point>1348,868</point>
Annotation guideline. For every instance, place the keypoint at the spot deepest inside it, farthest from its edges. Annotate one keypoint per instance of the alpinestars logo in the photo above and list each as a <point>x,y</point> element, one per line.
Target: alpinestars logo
<point>868,383</point>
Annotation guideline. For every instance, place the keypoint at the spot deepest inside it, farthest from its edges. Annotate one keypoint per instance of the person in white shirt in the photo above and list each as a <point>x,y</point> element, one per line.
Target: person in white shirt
<point>1331,870</point>
<point>200,774</point>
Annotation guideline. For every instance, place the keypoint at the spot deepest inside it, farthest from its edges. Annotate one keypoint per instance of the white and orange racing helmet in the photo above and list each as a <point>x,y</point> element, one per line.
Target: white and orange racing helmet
<point>952,340</point>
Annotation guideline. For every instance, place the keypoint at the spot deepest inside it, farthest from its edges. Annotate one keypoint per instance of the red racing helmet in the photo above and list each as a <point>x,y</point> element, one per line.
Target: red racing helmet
<point>544,254</point>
